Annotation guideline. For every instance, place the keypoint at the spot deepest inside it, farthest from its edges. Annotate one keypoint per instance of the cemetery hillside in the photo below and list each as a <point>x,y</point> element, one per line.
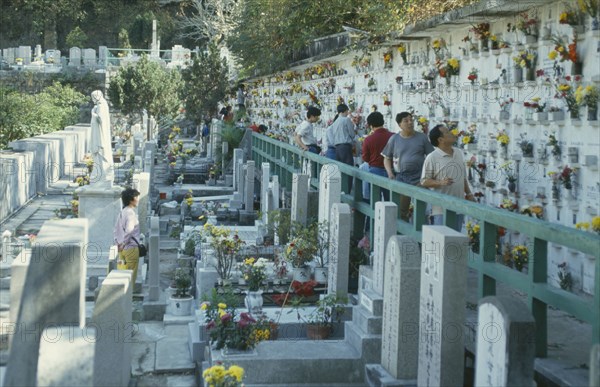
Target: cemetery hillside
<point>293,193</point>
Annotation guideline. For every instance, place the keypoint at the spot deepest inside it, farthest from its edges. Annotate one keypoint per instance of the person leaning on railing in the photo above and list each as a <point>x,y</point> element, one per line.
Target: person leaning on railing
<point>404,155</point>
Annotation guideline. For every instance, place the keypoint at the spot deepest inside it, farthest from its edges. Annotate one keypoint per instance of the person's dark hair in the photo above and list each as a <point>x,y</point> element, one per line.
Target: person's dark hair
<point>435,134</point>
<point>313,112</point>
<point>401,116</point>
<point>342,108</point>
<point>262,128</point>
<point>335,118</point>
<point>128,195</point>
<point>375,119</point>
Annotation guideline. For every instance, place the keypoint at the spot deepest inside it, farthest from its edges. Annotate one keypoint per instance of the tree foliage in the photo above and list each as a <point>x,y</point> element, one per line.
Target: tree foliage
<point>25,115</point>
<point>205,84</point>
<point>146,85</point>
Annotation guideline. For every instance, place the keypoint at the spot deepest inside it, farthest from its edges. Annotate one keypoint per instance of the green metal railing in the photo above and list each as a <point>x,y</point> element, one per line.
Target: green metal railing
<point>287,159</point>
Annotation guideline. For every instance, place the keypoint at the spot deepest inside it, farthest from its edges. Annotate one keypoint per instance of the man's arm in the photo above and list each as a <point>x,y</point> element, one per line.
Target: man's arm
<point>387,163</point>
<point>299,142</point>
<point>468,193</point>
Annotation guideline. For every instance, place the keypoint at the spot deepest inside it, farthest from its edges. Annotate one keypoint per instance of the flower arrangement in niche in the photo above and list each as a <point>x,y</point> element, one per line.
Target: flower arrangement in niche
<point>565,91</point>
<point>527,24</point>
<point>254,272</point>
<point>472,47</point>
<point>438,46</point>
<point>570,17</point>
<point>402,51</point>
<point>482,31</point>
<point>386,100</point>
<point>587,96</point>
<point>473,231</point>
<point>526,147</point>
<point>563,51</point>
<point>565,177</point>
<point>565,280</point>
<point>477,167</point>
<point>505,103</point>
<point>520,256</point>
<point>502,138</point>
<point>473,75</point>
<point>510,172</point>
<point>219,376</point>
<point>525,59</point>
<point>387,59</point>
<point>423,124</point>
<point>430,73</point>
<point>535,104</point>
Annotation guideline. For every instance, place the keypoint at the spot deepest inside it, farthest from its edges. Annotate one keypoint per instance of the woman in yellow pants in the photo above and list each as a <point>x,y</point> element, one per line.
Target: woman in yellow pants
<point>127,232</point>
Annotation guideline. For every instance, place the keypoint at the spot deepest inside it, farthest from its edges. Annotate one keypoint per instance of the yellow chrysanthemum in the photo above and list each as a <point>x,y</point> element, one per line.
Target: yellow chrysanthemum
<point>582,226</point>
<point>453,63</point>
<point>466,140</point>
<point>221,305</point>
<point>237,372</point>
<point>564,87</point>
<point>454,132</point>
<point>552,55</point>
<point>596,223</point>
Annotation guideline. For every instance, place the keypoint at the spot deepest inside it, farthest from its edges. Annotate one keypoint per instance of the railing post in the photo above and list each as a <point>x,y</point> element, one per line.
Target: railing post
<point>487,254</point>
<point>537,271</point>
<point>419,215</point>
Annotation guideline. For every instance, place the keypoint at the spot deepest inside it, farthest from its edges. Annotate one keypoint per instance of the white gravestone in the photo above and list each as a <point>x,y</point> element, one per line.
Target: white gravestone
<point>154,260</point>
<point>53,56</point>
<point>299,198</point>
<point>384,227</point>
<point>400,328</point>
<point>264,189</point>
<point>505,343</point>
<point>112,317</point>
<point>37,52</point>
<point>24,52</point>
<point>141,182</point>
<point>249,187</point>
<point>442,306</point>
<point>330,189</point>
<point>52,293</point>
<point>339,249</point>
<point>102,56</point>
<point>75,56</point>
<point>595,366</point>
<point>67,356</point>
<point>89,57</point>
<point>238,156</point>
<point>224,151</point>
<point>274,193</point>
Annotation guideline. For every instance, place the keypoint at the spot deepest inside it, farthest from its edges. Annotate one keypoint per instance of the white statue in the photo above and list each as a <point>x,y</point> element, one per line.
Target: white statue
<point>100,146</point>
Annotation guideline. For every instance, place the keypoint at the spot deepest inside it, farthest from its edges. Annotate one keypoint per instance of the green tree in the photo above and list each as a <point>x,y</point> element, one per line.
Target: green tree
<point>76,38</point>
<point>147,85</point>
<point>24,115</point>
<point>205,84</point>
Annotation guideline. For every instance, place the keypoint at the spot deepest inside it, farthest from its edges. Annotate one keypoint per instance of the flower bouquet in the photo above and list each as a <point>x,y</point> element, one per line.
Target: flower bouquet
<point>502,138</point>
<point>387,59</point>
<point>563,51</point>
<point>473,231</point>
<point>520,256</point>
<point>482,33</point>
<point>565,91</point>
<point>588,96</point>
<point>508,169</point>
<point>299,251</point>
<point>438,46</point>
<point>473,75</point>
<point>402,51</point>
<point>525,59</point>
<point>254,272</point>
<point>430,73</point>
<point>219,376</point>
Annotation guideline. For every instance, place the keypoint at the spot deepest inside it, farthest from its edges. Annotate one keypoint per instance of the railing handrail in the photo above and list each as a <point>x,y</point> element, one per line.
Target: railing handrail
<point>283,156</point>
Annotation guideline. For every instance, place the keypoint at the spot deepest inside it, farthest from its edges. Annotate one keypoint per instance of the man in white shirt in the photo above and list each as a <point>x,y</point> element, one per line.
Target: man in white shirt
<point>304,136</point>
<point>444,171</point>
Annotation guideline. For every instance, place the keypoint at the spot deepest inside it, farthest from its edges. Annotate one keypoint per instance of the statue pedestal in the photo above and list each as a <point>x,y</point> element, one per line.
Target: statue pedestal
<point>101,206</point>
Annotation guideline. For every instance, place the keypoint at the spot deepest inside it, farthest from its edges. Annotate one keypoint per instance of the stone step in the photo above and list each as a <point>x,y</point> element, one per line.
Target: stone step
<point>299,362</point>
<point>366,321</point>
<point>372,301</point>
<point>366,344</point>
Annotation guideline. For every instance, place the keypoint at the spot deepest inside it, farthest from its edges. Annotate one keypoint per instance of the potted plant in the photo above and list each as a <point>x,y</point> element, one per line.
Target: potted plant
<point>320,322</point>
<point>254,273</point>
<point>300,250</point>
<point>225,245</point>
<point>181,301</point>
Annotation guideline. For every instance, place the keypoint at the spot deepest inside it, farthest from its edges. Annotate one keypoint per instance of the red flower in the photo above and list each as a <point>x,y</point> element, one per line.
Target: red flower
<point>387,103</point>
<point>568,78</point>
